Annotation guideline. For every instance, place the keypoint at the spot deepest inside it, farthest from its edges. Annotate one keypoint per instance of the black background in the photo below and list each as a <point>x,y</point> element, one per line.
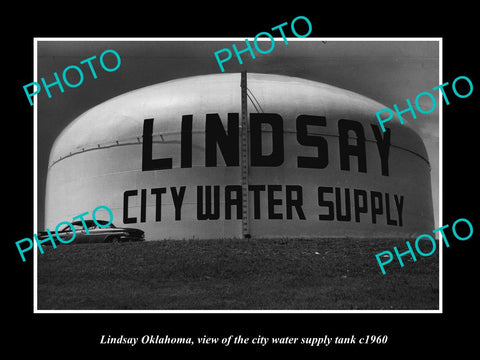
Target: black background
<point>412,334</point>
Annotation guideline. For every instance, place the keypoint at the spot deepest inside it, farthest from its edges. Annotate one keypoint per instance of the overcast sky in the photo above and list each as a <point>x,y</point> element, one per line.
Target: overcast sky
<point>386,71</point>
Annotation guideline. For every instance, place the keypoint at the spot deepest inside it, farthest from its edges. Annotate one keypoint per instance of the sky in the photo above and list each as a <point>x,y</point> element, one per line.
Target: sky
<point>386,71</point>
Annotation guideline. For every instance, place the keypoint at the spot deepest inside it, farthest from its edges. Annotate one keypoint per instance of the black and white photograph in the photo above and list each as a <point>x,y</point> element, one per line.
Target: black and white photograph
<point>269,186</point>
<point>297,182</point>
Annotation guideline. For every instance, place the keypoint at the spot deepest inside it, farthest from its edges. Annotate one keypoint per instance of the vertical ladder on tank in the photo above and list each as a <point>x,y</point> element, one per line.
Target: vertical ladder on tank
<point>244,159</point>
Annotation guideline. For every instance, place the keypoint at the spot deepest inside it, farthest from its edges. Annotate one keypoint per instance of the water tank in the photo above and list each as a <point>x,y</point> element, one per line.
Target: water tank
<point>175,160</point>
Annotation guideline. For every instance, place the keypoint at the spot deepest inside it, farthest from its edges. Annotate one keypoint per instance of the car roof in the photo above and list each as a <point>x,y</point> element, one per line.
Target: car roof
<point>90,222</point>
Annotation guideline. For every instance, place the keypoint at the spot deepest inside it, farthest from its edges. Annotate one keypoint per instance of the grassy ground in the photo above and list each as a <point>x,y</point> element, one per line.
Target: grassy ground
<point>322,274</point>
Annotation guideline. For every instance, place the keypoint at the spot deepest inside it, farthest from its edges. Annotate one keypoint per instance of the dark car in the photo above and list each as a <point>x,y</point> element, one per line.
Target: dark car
<point>96,234</point>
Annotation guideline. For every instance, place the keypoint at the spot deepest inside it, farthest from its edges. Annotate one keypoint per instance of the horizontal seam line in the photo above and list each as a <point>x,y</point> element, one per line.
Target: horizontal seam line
<point>99,146</point>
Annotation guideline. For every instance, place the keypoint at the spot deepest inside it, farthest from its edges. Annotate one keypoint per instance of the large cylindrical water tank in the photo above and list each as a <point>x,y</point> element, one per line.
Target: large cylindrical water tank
<point>167,159</point>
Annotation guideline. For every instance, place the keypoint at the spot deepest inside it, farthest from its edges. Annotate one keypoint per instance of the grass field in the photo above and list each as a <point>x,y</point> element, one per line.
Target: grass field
<point>321,274</point>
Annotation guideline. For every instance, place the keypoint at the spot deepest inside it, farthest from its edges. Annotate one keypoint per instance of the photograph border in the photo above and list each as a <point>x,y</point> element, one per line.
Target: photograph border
<point>36,40</point>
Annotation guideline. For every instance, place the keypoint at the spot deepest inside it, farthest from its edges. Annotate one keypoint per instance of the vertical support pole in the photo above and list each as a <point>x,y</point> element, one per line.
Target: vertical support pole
<point>244,159</point>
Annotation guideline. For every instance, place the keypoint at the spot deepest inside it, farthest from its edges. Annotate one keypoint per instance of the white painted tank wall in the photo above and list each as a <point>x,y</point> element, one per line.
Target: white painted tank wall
<point>106,160</point>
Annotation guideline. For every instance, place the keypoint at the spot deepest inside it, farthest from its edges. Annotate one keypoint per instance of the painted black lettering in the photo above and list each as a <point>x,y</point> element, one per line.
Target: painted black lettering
<point>359,209</point>
<point>390,221</point>
<point>338,203</point>
<point>347,149</point>
<point>143,205</point>
<point>276,157</point>
<point>158,202</point>
<point>328,204</point>
<point>126,218</point>
<point>256,199</point>
<point>377,206</point>
<point>383,145</point>
<point>296,202</point>
<point>186,142</point>
<point>177,198</point>
<point>304,138</point>
<point>236,201</point>
<point>273,201</point>
<point>149,164</point>
<point>212,207</point>
<point>227,143</point>
<point>399,204</point>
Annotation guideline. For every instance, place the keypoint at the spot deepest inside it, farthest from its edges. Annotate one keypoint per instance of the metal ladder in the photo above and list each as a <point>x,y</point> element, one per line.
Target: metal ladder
<point>244,159</point>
